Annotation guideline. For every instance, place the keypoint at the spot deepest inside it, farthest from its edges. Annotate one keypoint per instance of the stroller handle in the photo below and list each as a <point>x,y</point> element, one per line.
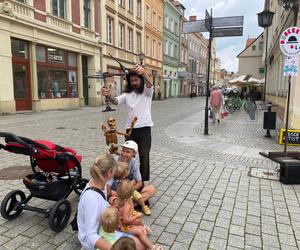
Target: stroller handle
<point>14,138</point>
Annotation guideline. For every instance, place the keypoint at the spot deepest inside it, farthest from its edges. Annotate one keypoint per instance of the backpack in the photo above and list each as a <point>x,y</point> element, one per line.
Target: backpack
<point>73,223</point>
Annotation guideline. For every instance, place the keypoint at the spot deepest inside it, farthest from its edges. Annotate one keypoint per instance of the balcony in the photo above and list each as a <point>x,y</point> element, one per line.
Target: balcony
<point>20,10</point>
<point>59,22</point>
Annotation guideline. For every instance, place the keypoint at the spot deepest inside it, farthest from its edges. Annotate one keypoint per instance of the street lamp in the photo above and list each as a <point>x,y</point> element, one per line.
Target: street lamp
<point>265,20</point>
<point>141,57</point>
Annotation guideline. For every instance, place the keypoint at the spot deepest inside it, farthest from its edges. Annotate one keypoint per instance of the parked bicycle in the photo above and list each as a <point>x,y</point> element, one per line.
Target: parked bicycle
<point>235,103</point>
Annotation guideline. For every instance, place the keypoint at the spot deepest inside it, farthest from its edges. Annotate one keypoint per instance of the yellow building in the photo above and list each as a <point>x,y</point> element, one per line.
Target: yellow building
<point>46,49</point>
<point>277,83</point>
<point>154,43</point>
<point>122,25</point>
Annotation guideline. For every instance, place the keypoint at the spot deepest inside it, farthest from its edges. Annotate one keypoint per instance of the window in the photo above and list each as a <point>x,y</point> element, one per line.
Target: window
<point>138,42</point>
<point>22,1</point>
<point>159,51</point>
<point>130,5</point>
<point>166,47</point>
<point>153,48</point>
<point>19,48</point>
<point>182,55</point>
<point>122,3</point>
<point>147,45</point>
<point>154,19</point>
<point>159,23</point>
<point>139,8</point>
<point>175,51</point>
<point>170,52</point>
<point>130,34</point>
<point>176,28</point>
<point>167,21</point>
<point>121,35</point>
<point>59,8</point>
<point>56,73</point>
<point>261,45</point>
<point>110,30</point>
<point>147,14</point>
<point>87,13</point>
<point>171,25</point>
<point>253,47</point>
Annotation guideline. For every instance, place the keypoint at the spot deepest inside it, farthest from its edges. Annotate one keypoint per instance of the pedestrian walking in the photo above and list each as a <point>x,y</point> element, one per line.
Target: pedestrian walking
<point>216,102</point>
<point>137,100</point>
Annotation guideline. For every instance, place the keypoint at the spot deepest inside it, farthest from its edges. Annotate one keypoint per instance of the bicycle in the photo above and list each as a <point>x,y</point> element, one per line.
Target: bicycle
<point>233,104</point>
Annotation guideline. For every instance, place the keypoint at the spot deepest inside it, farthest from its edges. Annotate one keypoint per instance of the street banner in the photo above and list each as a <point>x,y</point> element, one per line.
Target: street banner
<point>290,66</point>
<point>289,41</point>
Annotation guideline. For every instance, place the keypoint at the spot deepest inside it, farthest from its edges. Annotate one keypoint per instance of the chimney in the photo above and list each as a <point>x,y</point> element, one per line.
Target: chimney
<point>193,18</point>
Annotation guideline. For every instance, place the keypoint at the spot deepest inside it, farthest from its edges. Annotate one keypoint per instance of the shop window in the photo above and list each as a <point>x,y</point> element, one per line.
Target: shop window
<point>56,56</point>
<point>40,53</point>
<point>56,73</point>
<point>72,59</point>
<point>19,48</point>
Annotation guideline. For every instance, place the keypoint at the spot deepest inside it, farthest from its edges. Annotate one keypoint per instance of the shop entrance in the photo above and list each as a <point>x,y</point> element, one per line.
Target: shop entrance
<point>85,80</point>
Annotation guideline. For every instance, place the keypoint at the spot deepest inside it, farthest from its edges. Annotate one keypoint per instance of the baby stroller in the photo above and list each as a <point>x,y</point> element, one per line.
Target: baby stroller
<point>56,173</point>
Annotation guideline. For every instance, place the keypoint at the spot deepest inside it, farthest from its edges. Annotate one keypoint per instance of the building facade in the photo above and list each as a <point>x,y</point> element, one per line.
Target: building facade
<point>46,49</point>
<point>277,83</point>
<point>172,18</point>
<point>250,59</point>
<point>154,44</point>
<point>122,25</point>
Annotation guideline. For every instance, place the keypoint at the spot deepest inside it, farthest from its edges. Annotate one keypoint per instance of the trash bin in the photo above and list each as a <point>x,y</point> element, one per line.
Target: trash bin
<point>269,120</point>
<point>290,171</point>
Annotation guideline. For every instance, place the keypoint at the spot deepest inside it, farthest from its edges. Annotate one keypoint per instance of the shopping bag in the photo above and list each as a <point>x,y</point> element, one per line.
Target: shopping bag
<point>224,113</point>
<point>210,113</point>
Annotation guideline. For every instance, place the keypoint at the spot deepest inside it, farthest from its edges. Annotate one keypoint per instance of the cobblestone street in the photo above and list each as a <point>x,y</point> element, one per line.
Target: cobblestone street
<point>205,199</point>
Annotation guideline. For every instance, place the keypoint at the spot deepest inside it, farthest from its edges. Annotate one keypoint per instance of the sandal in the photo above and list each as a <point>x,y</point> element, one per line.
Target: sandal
<point>146,210</point>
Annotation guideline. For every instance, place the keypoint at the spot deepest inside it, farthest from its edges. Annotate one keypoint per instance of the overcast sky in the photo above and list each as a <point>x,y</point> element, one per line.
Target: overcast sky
<point>229,47</point>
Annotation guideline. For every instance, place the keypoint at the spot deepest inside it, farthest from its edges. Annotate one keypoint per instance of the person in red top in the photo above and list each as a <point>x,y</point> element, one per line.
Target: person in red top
<point>216,102</point>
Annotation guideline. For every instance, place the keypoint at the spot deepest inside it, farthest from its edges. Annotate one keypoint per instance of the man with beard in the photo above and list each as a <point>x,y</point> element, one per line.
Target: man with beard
<point>137,100</point>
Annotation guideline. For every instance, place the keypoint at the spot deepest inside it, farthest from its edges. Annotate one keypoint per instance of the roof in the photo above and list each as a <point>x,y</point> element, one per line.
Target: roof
<point>245,79</point>
<point>249,43</point>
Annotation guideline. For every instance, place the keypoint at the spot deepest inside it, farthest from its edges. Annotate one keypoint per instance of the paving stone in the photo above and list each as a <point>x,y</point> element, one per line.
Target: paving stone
<point>179,246</point>
<point>218,243</point>
<point>253,240</point>
<point>236,241</point>
<point>16,242</point>
<point>270,240</point>
<point>166,238</point>
<point>185,237</point>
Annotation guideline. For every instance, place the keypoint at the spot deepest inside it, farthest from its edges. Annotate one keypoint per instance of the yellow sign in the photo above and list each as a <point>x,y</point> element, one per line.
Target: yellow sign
<point>293,137</point>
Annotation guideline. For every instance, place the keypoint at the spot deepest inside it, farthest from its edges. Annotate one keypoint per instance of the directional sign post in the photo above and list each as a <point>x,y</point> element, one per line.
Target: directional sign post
<point>217,27</point>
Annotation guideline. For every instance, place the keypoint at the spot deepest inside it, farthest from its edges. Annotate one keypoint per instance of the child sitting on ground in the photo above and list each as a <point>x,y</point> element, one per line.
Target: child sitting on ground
<point>129,220</point>
<point>109,222</point>
<point>121,172</point>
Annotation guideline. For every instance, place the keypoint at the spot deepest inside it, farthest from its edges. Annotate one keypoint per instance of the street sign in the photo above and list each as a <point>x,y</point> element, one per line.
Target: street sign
<point>289,41</point>
<point>293,138</point>
<point>197,26</point>
<point>290,66</point>
<point>231,31</point>
<point>207,20</point>
<point>228,21</point>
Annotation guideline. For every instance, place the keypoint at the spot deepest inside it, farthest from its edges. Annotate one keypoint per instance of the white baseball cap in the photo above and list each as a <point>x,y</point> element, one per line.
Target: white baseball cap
<point>132,145</point>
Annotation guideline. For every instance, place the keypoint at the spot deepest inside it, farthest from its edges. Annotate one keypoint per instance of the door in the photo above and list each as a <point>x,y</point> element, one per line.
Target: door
<point>85,80</point>
<point>22,88</point>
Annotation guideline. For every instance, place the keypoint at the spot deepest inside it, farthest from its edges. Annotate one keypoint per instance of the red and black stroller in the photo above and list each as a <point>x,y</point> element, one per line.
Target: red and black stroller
<point>56,173</point>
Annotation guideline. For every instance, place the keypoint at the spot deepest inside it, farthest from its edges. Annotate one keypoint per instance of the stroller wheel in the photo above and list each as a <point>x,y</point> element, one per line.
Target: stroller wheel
<point>10,206</point>
<point>60,215</point>
<point>80,185</point>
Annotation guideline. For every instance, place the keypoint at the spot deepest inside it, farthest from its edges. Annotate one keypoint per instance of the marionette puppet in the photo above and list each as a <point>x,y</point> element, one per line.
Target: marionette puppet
<point>111,133</point>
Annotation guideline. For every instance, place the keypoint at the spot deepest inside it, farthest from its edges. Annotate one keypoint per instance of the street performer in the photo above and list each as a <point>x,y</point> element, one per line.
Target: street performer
<point>137,100</point>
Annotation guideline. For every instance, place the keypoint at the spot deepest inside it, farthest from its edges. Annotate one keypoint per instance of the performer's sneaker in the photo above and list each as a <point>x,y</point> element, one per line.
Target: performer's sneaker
<point>146,210</point>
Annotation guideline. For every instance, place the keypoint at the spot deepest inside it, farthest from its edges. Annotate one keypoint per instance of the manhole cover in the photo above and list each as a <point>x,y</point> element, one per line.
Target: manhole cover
<point>264,173</point>
<point>15,172</point>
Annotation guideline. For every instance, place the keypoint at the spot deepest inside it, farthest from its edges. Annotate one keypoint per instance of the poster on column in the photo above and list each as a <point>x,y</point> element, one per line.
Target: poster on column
<point>290,66</point>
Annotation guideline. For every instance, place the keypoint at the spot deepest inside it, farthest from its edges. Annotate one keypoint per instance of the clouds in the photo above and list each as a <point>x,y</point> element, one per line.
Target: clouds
<point>229,48</point>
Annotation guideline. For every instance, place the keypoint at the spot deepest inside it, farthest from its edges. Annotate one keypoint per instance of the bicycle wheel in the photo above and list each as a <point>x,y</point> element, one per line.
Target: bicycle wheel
<point>230,107</point>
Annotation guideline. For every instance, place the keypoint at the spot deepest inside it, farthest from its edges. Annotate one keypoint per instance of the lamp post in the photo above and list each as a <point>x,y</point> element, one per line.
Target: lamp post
<point>141,57</point>
<point>265,20</point>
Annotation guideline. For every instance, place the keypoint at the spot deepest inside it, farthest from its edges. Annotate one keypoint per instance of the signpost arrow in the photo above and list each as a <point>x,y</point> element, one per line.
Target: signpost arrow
<point>228,21</point>
<point>223,32</point>
<point>197,26</point>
